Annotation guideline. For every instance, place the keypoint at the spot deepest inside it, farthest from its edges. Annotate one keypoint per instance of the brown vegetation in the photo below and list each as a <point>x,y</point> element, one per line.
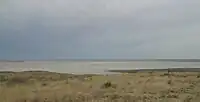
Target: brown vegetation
<point>136,87</point>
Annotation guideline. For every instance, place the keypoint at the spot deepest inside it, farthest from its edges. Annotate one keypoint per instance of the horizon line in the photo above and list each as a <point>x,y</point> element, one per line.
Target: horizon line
<point>155,59</point>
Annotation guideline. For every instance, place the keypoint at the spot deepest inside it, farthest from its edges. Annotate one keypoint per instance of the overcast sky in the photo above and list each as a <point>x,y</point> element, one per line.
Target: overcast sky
<point>99,29</point>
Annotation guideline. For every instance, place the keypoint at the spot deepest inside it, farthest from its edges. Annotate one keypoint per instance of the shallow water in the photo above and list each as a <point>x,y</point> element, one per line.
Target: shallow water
<point>90,67</point>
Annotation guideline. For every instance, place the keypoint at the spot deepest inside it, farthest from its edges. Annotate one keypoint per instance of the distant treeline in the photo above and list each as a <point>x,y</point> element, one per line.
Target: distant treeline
<point>109,60</point>
<point>173,60</point>
<point>11,61</point>
<point>125,60</point>
<point>157,70</point>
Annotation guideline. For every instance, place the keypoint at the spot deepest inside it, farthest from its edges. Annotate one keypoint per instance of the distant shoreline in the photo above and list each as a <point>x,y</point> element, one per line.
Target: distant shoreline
<point>11,61</point>
<point>110,60</point>
<point>157,70</point>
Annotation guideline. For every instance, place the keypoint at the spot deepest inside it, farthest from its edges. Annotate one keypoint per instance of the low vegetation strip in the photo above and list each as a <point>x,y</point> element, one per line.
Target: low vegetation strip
<point>39,86</point>
<point>157,70</point>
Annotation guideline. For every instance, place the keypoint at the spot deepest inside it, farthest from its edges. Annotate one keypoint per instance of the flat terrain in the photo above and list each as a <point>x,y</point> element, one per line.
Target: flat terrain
<point>39,86</point>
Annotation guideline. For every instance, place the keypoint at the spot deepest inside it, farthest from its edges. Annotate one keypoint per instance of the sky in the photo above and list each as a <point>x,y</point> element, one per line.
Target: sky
<point>99,29</point>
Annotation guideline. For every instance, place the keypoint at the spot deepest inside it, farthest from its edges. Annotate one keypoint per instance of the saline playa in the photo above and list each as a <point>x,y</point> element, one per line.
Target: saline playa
<point>166,85</point>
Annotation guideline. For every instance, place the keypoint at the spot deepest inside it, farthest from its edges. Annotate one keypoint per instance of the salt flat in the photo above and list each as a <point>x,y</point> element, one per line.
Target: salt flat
<point>93,67</point>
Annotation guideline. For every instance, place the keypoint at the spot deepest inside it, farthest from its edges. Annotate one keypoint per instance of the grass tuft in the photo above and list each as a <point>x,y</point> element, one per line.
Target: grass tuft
<point>108,84</point>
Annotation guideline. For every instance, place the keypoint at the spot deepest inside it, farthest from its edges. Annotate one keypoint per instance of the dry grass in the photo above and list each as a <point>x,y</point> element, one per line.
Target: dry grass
<point>136,87</point>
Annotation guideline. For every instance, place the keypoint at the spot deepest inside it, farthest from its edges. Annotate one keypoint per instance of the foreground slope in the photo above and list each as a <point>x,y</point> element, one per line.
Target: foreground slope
<point>135,87</point>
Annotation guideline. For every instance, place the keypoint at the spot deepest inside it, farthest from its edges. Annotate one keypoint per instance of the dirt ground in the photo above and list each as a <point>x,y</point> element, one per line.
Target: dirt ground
<point>134,87</point>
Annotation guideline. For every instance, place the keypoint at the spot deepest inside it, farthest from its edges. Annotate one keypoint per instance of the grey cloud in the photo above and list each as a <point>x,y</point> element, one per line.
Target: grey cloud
<point>100,29</point>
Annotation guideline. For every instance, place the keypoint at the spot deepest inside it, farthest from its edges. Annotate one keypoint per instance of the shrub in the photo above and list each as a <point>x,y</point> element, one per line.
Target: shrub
<point>3,78</point>
<point>198,76</point>
<point>17,80</point>
<point>108,84</point>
